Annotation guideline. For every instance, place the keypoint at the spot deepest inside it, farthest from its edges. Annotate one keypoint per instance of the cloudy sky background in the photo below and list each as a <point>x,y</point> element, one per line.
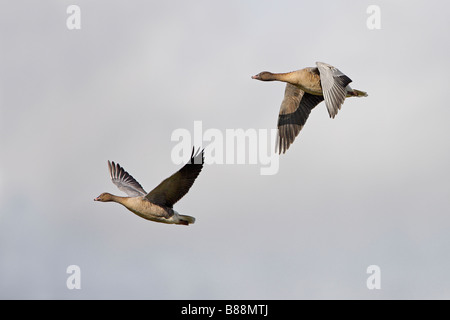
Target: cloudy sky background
<point>371,187</point>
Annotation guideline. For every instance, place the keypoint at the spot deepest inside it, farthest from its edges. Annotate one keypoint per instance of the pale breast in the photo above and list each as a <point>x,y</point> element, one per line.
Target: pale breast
<point>147,210</point>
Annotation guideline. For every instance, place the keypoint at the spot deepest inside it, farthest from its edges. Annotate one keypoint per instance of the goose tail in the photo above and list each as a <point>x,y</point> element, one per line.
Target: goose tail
<point>358,93</point>
<point>185,220</point>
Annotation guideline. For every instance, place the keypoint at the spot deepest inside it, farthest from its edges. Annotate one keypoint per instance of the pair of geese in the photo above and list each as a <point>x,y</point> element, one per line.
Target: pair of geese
<point>305,89</point>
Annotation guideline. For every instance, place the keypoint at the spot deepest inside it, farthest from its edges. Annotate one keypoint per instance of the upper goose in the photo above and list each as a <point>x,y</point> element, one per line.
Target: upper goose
<point>157,205</point>
<point>305,89</point>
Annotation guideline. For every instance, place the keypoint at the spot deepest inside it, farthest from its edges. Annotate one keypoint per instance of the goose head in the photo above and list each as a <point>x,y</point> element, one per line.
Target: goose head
<point>104,197</point>
<point>264,76</point>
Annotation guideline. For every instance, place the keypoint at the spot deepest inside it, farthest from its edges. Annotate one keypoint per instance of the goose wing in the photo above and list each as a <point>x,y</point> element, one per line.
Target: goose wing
<point>172,189</point>
<point>333,84</point>
<point>294,112</point>
<point>124,181</point>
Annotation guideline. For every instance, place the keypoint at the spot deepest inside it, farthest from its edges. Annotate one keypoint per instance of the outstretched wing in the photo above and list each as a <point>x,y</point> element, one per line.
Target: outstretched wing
<point>294,112</point>
<point>172,189</point>
<point>124,181</point>
<point>333,84</point>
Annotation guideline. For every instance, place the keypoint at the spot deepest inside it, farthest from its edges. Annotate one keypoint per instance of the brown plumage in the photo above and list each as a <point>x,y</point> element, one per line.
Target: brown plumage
<point>305,89</point>
<point>157,205</point>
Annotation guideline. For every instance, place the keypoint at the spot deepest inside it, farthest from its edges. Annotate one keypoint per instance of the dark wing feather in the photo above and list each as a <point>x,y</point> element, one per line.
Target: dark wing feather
<point>124,181</point>
<point>172,189</point>
<point>294,112</point>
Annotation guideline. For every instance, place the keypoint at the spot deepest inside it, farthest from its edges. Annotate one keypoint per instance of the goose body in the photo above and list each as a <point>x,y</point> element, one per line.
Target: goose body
<point>305,89</point>
<point>157,205</point>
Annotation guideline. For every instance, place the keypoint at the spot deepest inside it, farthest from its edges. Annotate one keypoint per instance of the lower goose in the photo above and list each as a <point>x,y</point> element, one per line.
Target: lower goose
<point>157,205</point>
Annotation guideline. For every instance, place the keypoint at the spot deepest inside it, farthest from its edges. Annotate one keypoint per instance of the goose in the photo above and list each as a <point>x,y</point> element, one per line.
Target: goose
<point>157,205</point>
<point>305,89</point>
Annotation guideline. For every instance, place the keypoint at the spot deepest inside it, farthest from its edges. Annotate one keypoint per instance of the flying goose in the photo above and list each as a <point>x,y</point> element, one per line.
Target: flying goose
<point>157,205</point>
<point>305,89</point>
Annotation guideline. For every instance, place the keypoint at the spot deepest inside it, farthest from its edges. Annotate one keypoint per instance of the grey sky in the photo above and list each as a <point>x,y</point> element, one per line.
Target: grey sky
<point>371,186</point>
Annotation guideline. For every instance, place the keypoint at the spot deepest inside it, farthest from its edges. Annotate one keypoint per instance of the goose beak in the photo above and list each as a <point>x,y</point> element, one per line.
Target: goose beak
<point>255,77</point>
<point>96,199</point>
